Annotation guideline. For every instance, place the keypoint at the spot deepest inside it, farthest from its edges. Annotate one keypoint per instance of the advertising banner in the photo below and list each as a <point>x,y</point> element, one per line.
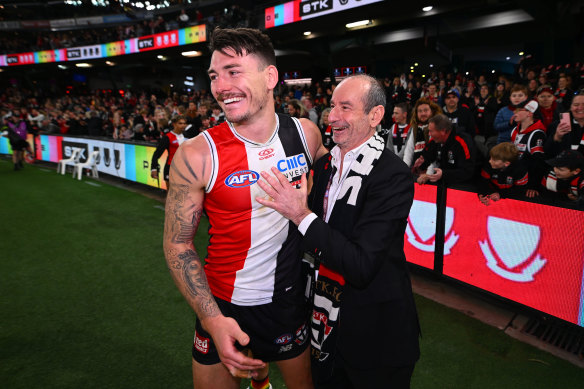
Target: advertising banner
<point>421,229</point>
<point>185,36</point>
<point>128,161</point>
<point>529,253</point>
<point>297,10</point>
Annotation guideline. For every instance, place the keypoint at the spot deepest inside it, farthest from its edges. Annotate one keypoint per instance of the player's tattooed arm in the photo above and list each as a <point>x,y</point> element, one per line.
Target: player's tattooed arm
<point>183,214</point>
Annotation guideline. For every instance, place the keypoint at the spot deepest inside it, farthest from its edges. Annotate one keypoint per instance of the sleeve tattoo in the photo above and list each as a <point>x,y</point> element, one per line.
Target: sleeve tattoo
<point>185,264</point>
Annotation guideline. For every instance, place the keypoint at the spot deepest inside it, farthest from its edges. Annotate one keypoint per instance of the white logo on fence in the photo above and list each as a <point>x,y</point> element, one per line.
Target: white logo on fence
<point>422,220</point>
<point>514,244</point>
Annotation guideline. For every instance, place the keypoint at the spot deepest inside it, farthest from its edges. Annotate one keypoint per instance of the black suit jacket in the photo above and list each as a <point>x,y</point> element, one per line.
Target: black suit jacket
<point>378,318</point>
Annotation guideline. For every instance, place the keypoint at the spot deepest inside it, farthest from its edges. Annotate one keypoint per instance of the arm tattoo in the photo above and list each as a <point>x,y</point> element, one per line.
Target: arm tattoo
<point>196,284</point>
<point>178,227</point>
<point>188,166</point>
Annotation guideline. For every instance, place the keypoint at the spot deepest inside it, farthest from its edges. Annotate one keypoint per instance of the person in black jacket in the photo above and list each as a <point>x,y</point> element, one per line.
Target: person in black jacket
<point>451,152</point>
<point>459,114</point>
<point>364,322</point>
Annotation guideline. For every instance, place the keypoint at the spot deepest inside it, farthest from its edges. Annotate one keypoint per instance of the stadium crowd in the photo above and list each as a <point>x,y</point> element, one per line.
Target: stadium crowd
<point>21,41</point>
<point>518,136</point>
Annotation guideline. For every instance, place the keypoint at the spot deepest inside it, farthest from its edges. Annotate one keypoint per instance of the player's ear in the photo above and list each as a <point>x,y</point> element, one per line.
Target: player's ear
<point>272,76</point>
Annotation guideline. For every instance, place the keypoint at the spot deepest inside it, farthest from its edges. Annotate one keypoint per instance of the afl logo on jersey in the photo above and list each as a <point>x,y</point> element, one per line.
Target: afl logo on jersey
<point>265,154</point>
<point>242,179</point>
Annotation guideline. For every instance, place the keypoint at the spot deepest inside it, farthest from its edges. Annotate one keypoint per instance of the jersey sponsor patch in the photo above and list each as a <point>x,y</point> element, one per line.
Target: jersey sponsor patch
<point>242,179</point>
<point>293,166</point>
<point>201,343</point>
<point>266,153</point>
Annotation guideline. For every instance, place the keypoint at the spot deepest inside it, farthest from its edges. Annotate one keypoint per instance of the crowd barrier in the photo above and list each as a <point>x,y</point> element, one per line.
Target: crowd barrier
<point>127,160</point>
<point>529,253</point>
<point>525,252</point>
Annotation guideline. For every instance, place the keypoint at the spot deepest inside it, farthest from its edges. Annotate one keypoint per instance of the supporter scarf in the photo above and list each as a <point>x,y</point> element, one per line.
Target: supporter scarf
<point>328,288</point>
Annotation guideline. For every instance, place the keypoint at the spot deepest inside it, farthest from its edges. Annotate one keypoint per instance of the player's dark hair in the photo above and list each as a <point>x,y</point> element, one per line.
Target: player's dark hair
<point>243,41</point>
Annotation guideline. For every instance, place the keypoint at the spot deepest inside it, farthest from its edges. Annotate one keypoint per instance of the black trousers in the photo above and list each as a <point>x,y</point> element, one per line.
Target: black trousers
<point>385,377</point>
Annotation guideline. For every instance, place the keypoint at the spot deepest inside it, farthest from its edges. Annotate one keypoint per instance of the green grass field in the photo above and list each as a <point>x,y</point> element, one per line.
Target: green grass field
<point>86,301</point>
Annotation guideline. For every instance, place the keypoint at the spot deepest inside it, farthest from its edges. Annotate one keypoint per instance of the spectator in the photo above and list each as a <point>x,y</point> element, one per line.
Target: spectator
<point>459,114</point>
<point>484,113</point>
<point>500,95</point>
<point>309,105</point>
<point>529,137</point>
<point>412,94</point>
<point>326,129</point>
<point>418,134</point>
<point>396,136</point>
<point>94,124</point>
<point>563,92</point>
<point>532,87</point>
<point>452,152</point>
<point>504,175</point>
<point>125,132</point>
<point>394,93</point>
<point>296,109</point>
<point>183,19</point>
<point>568,134</point>
<point>468,97</point>
<point>217,117</point>
<point>566,178</point>
<point>432,94</point>
<point>504,120</point>
<point>35,118</point>
<point>139,133</point>
<point>548,107</point>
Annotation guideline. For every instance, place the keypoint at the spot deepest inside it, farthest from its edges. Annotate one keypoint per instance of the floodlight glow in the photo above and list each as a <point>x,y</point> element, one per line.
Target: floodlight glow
<point>358,24</point>
<point>192,53</point>
<point>427,9</point>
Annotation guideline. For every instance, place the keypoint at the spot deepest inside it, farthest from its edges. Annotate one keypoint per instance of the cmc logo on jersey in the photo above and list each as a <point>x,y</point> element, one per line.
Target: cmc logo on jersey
<point>293,166</point>
<point>267,153</point>
<point>242,179</point>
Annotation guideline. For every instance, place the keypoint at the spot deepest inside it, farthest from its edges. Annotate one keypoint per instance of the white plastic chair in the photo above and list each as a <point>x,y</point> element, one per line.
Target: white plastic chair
<point>90,163</point>
<point>72,160</point>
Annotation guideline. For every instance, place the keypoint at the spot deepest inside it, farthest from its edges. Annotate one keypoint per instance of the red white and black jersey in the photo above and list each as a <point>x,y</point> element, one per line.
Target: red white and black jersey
<point>508,182</point>
<point>169,142</point>
<point>253,252</point>
<point>399,134</point>
<point>574,185</point>
<point>529,140</point>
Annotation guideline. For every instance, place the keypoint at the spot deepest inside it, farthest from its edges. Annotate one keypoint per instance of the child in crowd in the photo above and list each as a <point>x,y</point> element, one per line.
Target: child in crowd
<point>529,138</point>
<point>504,121</point>
<point>565,180</point>
<point>504,175</point>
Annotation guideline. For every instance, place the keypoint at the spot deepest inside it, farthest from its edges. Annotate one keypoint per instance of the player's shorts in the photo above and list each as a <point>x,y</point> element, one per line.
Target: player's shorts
<point>166,172</point>
<point>277,330</point>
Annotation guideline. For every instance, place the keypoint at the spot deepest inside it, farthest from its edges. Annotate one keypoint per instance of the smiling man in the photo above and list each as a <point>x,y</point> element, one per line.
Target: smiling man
<point>364,321</point>
<point>250,293</point>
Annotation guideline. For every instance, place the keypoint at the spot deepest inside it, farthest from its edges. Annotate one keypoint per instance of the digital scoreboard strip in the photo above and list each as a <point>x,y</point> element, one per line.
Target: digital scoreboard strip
<point>184,36</point>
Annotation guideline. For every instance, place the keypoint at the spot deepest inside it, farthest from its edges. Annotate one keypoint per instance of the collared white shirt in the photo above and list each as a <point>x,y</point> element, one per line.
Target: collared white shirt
<point>336,183</point>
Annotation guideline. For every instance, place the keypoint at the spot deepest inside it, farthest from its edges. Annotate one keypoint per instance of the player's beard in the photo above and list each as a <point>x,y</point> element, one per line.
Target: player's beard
<point>253,108</point>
